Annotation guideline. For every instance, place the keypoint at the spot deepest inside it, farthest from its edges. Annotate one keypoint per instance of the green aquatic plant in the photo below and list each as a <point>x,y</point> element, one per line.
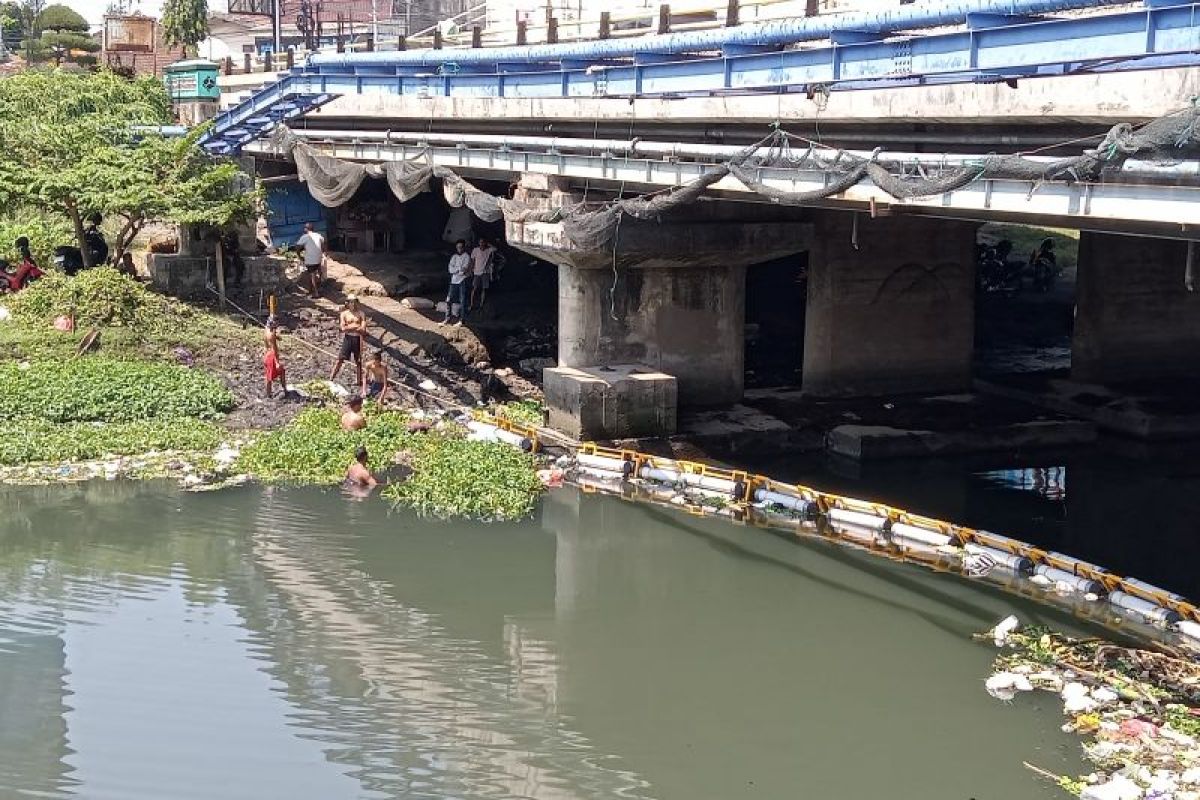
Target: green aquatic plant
<point>313,448</point>
<point>524,412</point>
<point>29,441</point>
<point>455,477</point>
<point>451,475</point>
<point>98,389</point>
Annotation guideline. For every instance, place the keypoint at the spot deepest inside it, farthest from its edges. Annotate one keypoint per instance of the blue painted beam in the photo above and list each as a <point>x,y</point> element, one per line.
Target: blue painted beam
<point>1007,50</point>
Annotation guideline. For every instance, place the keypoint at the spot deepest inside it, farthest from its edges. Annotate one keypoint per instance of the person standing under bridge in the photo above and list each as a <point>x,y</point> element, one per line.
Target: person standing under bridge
<point>460,282</point>
<point>482,260</point>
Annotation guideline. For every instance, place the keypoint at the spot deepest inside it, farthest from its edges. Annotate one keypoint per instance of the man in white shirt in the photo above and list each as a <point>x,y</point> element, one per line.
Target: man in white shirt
<point>312,245</point>
<point>481,266</point>
<point>460,282</point>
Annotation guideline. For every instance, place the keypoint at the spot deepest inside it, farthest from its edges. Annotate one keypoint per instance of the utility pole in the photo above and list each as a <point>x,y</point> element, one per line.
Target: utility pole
<point>277,25</point>
<point>374,21</point>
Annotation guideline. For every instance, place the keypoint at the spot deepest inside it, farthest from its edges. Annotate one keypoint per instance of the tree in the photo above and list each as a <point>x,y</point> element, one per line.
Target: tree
<point>185,22</point>
<point>30,10</point>
<point>11,30</point>
<point>61,18</point>
<point>72,144</point>
<point>64,37</point>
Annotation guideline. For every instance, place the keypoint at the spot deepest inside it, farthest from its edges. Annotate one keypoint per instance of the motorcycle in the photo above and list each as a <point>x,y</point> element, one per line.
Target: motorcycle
<point>12,282</point>
<point>68,259</point>
<point>1045,272</point>
<point>996,272</point>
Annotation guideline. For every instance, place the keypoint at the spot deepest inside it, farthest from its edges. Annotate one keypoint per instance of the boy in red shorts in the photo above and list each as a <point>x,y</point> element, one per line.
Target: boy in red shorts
<point>272,366</point>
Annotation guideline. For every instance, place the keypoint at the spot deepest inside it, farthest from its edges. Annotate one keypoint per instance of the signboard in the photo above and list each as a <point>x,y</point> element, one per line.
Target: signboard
<point>192,80</point>
<point>129,34</point>
<point>260,7</point>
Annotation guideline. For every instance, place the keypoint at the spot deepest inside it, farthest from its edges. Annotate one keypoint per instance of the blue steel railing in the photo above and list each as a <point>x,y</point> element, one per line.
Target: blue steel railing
<point>991,48</point>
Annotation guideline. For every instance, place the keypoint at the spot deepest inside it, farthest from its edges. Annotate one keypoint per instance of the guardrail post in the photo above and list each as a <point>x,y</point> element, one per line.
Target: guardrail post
<point>268,61</point>
<point>341,44</point>
<point>732,12</point>
<point>370,44</point>
<point>228,65</point>
<point>290,58</point>
<point>664,18</point>
<point>522,32</point>
<point>249,64</point>
<point>437,38</point>
<point>401,42</point>
<point>476,36</point>
<point>551,30</point>
<point>605,24</point>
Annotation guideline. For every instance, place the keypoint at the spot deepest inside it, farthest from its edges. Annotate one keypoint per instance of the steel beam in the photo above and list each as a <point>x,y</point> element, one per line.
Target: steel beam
<point>1123,206</point>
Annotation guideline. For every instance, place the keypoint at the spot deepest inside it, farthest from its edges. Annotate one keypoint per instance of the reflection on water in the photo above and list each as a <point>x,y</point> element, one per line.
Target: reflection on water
<point>1049,483</point>
<point>1131,507</point>
<point>287,643</point>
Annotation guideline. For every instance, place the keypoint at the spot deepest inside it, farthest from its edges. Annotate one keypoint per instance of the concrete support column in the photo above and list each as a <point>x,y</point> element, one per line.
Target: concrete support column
<point>1134,316</point>
<point>684,321</point>
<point>890,305</point>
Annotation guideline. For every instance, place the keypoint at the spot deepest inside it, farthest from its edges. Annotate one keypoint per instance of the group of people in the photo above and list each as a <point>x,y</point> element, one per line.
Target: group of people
<point>471,275</point>
<point>371,373</point>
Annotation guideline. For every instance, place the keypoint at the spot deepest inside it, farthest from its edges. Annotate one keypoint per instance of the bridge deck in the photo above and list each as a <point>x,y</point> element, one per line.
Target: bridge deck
<point>1149,208</point>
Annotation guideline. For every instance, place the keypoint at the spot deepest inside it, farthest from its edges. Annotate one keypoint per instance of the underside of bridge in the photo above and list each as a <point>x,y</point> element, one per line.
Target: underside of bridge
<point>688,308</point>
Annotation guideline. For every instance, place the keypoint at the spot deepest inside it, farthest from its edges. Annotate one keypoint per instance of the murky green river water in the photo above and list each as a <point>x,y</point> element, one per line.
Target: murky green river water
<point>262,643</point>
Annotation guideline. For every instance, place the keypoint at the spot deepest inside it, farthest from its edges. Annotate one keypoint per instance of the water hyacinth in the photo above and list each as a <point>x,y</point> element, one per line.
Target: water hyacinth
<point>99,389</point>
<point>451,476</point>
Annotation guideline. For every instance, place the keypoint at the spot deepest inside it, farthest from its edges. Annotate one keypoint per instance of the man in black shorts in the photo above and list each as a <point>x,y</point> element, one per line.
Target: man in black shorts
<point>353,324</point>
<point>313,246</point>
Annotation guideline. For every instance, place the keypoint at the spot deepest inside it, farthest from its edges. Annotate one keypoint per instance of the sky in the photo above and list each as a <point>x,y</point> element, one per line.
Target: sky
<point>93,10</point>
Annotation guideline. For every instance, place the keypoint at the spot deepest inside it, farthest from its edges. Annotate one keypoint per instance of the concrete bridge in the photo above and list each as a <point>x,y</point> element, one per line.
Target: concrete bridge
<point>891,281</point>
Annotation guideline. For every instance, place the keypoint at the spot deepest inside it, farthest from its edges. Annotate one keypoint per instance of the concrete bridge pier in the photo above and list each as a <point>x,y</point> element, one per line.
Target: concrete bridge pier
<point>890,306</point>
<point>1135,317</point>
<point>654,320</point>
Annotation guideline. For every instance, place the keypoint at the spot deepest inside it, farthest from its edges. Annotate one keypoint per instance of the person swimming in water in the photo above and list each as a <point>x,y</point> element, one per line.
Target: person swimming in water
<point>352,417</point>
<point>358,475</point>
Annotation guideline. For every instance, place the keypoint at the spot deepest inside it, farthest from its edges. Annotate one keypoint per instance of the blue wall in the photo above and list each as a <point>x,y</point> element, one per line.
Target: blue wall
<point>291,206</point>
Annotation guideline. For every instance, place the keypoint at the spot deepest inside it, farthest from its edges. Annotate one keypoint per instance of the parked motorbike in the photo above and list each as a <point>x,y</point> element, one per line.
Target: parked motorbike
<point>996,272</point>
<point>12,281</point>
<point>69,259</point>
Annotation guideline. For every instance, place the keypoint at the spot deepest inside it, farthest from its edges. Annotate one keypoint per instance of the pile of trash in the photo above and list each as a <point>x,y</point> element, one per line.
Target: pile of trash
<point>1140,709</point>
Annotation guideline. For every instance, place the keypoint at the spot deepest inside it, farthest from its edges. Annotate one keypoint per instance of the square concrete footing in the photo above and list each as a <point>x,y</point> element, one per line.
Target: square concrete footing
<point>613,402</point>
<point>188,276</point>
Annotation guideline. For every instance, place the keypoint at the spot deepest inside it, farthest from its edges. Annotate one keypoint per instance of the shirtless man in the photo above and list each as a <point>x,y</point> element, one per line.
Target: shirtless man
<point>352,417</point>
<point>272,366</point>
<point>358,476</point>
<point>375,378</point>
<point>353,324</point>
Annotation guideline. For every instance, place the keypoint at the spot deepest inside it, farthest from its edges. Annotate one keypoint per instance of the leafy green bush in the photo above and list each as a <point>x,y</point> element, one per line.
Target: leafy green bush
<point>480,480</point>
<point>31,440</point>
<point>106,390</point>
<point>44,233</point>
<point>100,296</point>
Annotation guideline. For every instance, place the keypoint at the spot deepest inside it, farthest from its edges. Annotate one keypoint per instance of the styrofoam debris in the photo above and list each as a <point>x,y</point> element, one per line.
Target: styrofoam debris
<point>1076,699</point>
<point>419,303</point>
<point>1005,685</point>
<point>1117,788</point>
<point>1001,631</point>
